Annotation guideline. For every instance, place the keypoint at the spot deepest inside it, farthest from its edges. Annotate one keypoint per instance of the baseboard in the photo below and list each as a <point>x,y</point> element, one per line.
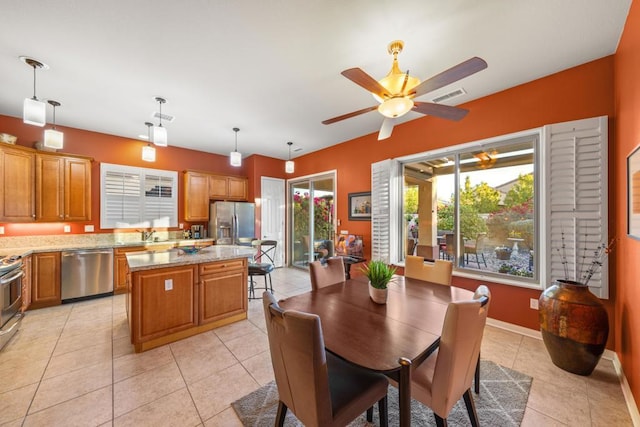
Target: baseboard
<point>608,354</point>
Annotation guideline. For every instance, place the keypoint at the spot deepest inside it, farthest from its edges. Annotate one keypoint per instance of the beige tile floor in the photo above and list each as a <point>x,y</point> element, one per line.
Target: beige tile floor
<point>73,365</point>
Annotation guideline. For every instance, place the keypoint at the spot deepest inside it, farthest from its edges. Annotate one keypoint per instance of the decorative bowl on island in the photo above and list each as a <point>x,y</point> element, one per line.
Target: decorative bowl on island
<point>189,249</point>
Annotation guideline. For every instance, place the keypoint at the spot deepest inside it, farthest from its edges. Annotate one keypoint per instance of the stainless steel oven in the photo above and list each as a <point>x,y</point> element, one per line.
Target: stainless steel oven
<point>10,297</point>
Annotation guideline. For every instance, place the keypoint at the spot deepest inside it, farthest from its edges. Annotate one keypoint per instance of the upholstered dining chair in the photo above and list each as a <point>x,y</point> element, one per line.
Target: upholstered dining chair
<point>319,388</point>
<point>262,264</point>
<point>322,276</point>
<point>438,272</point>
<point>440,381</point>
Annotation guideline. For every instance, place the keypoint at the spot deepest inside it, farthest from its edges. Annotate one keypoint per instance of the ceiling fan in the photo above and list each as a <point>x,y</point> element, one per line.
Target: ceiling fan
<point>396,91</point>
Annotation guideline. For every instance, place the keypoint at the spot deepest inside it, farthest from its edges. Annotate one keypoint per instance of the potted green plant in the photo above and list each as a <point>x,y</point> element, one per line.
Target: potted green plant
<point>379,275</point>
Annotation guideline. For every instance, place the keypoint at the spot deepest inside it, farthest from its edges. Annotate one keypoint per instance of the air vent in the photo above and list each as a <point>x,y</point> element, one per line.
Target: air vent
<point>452,94</point>
<point>295,150</point>
<point>165,117</point>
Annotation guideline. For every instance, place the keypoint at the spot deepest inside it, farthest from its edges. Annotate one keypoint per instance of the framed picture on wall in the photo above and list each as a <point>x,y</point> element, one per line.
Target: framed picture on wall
<point>360,206</point>
<point>633,193</point>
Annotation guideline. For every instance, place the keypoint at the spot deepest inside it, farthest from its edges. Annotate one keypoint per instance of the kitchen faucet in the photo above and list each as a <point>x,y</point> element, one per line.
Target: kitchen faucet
<point>146,235</point>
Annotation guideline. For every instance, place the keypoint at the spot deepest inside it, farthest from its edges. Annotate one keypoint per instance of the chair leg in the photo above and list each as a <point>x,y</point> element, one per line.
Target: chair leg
<point>477,261</point>
<point>383,412</point>
<point>471,408</point>
<point>483,260</point>
<point>252,293</point>
<point>476,381</point>
<point>282,413</point>
<point>370,414</point>
<point>440,422</point>
<point>270,283</point>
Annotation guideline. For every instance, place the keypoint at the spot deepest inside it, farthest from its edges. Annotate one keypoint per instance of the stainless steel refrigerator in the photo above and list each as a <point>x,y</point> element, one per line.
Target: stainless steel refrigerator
<point>232,223</point>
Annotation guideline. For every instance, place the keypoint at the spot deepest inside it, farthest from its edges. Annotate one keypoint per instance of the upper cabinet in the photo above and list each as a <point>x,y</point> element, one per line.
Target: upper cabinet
<point>41,186</point>
<point>16,184</point>
<point>196,196</point>
<point>200,187</point>
<point>228,188</point>
<point>63,188</point>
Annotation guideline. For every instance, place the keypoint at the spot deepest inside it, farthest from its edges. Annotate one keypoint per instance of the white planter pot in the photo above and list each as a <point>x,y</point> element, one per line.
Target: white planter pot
<point>378,296</point>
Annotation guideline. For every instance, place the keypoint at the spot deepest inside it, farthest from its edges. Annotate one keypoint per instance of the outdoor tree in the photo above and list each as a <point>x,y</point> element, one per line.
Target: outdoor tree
<point>521,192</point>
<point>486,198</point>
<point>411,200</point>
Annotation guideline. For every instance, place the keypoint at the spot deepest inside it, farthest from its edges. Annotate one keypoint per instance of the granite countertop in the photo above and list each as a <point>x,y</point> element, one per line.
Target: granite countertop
<point>25,251</point>
<point>139,261</point>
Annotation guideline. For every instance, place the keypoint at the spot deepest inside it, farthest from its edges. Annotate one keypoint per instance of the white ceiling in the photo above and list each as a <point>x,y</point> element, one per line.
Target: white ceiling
<point>272,68</point>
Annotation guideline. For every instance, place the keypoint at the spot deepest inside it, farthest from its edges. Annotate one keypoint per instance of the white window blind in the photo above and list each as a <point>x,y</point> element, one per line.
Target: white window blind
<point>576,207</point>
<point>137,197</point>
<point>385,245</point>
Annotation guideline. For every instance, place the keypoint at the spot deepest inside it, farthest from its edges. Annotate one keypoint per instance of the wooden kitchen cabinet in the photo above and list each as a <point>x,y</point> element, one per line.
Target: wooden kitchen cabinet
<point>228,187</point>
<point>26,283</point>
<point>63,188</point>
<point>45,280</point>
<point>17,195</point>
<point>164,301</point>
<point>120,267</point>
<point>196,196</point>
<point>223,290</point>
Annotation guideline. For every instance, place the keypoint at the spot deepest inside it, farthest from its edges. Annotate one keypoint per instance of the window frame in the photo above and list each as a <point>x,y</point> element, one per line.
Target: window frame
<point>535,134</point>
<point>145,219</point>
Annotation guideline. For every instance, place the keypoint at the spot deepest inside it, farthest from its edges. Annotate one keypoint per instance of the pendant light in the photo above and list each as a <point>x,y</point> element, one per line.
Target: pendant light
<point>34,111</point>
<point>149,151</point>
<point>160,133</point>
<point>289,166</point>
<point>53,138</point>
<point>235,158</point>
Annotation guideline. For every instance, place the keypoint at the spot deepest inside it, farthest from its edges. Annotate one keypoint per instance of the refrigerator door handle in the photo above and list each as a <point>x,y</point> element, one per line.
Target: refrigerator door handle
<point>235,229</point>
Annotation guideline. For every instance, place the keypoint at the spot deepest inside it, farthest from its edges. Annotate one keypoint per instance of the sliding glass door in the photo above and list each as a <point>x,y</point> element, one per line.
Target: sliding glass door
<point>311,218</point>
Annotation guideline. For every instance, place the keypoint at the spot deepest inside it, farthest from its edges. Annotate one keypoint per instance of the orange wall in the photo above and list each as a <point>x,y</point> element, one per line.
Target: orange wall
<point>580,92</point>
<point>627,138</point>
<point>113,149</point>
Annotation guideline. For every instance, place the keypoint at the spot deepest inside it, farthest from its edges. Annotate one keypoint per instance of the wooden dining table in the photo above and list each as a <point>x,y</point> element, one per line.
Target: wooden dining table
<point>391,338</point>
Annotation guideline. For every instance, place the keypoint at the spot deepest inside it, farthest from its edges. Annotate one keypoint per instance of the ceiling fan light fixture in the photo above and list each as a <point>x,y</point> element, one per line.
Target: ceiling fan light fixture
<point>289,165</point>
<point>395,107</point>
<point>235,158</point>
<point>53,138</point>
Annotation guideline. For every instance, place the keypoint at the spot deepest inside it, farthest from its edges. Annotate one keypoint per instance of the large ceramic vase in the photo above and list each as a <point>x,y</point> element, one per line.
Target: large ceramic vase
<point>378,296</point>
<point>574,326</point>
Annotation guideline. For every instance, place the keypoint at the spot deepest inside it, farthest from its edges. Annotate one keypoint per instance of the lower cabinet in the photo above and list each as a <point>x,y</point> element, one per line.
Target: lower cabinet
<point>120,267</point>
<point>26,283</point>
<point>171,303</point>
<point>164,301</point>
<point>45,280</point>
<point>223,290</point>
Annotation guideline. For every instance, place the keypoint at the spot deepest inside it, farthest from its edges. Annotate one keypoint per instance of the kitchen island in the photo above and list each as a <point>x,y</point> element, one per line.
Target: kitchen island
<point>172,295</point>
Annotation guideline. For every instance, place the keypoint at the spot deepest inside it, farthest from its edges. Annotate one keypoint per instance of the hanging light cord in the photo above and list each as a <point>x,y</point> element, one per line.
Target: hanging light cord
<point>34,85</point>
<point>160,102</point>
<point>54,116</point>
<point>236,131</point>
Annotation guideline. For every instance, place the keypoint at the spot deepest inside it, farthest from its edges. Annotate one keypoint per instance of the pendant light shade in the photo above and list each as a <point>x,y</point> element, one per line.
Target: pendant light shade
<point>289,166</point>
<point>33,110</point>
<point>235,158</point>
<point>159,132</point>
<point>149,151</point>
<point>53,138</point>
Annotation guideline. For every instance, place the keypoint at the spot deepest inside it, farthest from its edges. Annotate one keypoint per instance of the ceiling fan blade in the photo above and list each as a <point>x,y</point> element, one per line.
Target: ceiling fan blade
<point>385,129</point>
<point>349,115</point>
<point>364,80</point>
<point>440,110</point>
<point>453,74</point>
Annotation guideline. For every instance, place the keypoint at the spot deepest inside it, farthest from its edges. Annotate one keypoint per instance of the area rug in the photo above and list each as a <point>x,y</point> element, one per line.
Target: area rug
<point>502,401</point>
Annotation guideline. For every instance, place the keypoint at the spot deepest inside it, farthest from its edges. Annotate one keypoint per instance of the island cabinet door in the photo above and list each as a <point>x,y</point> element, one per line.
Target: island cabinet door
<point>164,301</point>
<point>223,290</point>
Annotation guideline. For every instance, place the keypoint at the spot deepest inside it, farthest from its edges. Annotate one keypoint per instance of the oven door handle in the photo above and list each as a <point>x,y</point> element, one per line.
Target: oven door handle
<point>6,280</point>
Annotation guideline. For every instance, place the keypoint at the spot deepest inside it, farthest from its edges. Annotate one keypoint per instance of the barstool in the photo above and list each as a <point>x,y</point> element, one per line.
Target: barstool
<point>262,265</point>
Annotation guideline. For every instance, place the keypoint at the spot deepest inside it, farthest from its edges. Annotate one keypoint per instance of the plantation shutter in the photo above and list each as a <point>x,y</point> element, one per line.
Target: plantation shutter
<point>576,209</point>
<point>385,234</point>
<point>137,197</point>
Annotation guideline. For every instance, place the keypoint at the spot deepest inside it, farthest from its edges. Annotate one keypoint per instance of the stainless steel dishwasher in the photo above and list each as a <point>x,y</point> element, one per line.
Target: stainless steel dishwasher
<point>86,273</point>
